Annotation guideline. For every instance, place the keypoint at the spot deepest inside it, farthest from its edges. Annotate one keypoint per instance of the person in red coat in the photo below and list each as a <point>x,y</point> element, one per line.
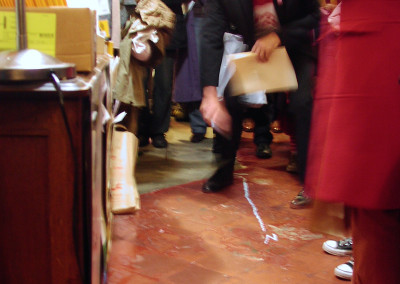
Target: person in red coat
<point>354,153</point>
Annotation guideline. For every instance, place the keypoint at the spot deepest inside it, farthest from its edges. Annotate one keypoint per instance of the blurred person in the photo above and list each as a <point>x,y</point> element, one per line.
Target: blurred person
<point>154,120</point>
<point>358,82</point>
<point>264,25</point>
<point>187,89</point>
<point>327,40</point>
<point>142,47</point>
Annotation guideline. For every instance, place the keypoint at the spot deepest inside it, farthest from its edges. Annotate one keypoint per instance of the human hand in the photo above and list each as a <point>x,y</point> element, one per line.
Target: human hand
<point>329,7</point>
<point>265,45</point>
<point>215,113</point>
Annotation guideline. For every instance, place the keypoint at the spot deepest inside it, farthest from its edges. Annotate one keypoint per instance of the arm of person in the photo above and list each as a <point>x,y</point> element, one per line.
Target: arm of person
<point>214,25</point>
<point>265,45</point>
<point>214,112</point>
<point>297,30</point>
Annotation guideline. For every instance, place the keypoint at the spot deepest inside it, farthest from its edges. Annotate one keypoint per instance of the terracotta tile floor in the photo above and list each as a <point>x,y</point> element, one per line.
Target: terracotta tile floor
<point>245,234</point>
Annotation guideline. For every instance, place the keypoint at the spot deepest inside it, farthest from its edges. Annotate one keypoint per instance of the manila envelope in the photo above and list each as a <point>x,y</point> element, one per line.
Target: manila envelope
<point>275,75</point>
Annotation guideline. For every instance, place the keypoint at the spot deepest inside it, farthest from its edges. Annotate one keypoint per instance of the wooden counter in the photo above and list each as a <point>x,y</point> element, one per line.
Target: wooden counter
<point>52,199</point>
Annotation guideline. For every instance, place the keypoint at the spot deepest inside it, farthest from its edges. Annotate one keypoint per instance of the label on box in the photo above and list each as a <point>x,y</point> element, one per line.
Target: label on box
<point>40,29</point>
<point>8,38</point>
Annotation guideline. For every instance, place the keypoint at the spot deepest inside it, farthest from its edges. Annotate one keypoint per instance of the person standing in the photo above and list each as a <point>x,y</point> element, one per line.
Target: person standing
<point>154,120</point>
<point>350,163</point>
<point>187,89</point>
<point>264,25</point>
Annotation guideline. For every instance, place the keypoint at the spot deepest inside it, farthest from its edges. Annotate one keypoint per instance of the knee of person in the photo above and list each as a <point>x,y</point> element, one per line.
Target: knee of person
<point>300,109</point>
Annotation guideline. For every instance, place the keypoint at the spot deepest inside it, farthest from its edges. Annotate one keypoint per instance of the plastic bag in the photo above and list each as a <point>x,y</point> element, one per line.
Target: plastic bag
<point>234,44</point>
<point>141,49</point>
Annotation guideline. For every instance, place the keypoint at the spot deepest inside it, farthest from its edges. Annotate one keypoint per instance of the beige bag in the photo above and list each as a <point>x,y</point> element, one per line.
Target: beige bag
<point>124,193</point>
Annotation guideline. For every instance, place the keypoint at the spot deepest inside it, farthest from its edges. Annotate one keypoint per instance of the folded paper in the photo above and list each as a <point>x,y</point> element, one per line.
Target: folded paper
<point>275,75</point>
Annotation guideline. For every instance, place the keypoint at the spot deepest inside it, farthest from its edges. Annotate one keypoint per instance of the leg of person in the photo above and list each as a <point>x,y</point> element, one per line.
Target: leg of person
<point>223,176</point>
<point>197,124</point>
<point>130,121</point>
<point>162,94</point>
<point>144,117</point>
<point>217,143</point>
<point>276,108</point>
<point>292,165</point>
<point>300,106</point>
<point>262,135</point>
<point>376,247</point>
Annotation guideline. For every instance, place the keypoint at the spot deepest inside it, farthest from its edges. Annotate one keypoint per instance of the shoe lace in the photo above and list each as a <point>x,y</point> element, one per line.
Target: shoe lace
<point>346,242</point>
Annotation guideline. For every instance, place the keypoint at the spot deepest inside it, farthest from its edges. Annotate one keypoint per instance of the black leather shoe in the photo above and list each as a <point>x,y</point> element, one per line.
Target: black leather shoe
<point>159,141</point>
<point>263,151</point>
<point>143,141</point>
<point>215,184</point>
<point>197,137</point>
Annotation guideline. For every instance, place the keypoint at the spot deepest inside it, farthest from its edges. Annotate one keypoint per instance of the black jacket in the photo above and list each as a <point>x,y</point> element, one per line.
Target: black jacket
<point>179,37</point>
<point>297,18</point>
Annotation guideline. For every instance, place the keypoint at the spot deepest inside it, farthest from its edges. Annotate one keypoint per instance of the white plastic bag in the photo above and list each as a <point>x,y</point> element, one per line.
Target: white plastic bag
<point>234,44</point>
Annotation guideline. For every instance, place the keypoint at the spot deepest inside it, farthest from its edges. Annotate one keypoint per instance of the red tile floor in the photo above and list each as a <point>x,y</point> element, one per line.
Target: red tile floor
<point>245,234</point>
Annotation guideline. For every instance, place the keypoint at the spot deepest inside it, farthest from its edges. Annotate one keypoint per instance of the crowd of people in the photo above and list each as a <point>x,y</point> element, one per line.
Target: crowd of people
<point>347,66</point>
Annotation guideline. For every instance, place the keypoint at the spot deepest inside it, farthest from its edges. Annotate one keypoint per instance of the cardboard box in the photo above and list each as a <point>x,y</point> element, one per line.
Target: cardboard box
<point>75,35</point>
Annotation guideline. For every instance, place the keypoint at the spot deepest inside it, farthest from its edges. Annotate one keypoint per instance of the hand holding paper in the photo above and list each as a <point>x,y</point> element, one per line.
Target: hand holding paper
<point>265,45</point>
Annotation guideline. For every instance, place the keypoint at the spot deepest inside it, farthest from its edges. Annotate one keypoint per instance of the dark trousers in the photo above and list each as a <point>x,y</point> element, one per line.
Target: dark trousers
<point>228,147</point>
<point>155,118</point>
<point>261,118</point>
<point>300,108</point>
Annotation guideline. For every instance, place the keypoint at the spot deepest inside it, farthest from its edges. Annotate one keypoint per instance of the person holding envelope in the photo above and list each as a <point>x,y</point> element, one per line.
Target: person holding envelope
<point>264,26</point>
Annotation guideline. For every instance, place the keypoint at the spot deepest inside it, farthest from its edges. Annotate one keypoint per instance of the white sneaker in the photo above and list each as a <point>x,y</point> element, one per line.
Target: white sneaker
<point>345,270</point>
<point>340,248</point>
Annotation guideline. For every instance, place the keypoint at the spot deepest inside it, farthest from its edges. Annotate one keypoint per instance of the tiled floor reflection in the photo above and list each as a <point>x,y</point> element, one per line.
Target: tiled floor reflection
<point>245,234</point>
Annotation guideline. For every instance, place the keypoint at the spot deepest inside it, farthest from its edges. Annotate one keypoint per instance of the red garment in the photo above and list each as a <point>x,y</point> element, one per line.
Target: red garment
<point>261,2</point>
<point>376,246</point>
<point>265,18</point>
<point>354,150</point>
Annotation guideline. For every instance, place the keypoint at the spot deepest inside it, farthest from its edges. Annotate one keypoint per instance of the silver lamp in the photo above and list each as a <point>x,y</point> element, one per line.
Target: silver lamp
<point>30,64</point>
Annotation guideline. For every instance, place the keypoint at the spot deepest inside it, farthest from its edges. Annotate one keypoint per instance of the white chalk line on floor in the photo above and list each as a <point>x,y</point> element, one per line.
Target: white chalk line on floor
<point>255,212</point>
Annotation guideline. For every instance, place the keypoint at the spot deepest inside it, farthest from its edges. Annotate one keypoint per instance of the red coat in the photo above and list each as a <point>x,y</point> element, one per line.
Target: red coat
<point>354,151</point>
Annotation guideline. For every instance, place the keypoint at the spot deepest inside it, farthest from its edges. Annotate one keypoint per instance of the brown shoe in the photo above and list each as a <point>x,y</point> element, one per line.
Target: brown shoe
<point>276,127</point>
<point>301,201</point>
<point>248,125</point>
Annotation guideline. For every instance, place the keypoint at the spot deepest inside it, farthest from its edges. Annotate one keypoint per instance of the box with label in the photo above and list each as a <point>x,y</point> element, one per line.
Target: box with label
<point>68,34</point>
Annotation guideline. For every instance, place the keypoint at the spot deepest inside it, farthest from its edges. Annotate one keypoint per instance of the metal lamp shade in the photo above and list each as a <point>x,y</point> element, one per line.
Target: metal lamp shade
<point>30,64</point>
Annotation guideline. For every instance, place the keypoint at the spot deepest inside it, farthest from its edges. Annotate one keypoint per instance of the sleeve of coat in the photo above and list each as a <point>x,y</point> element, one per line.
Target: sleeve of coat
<point>297,31</point>
<point>211,43</point>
